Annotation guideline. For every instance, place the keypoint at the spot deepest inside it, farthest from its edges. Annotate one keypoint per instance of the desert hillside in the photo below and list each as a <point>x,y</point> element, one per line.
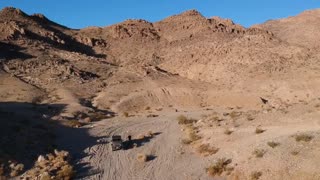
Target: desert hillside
<point>203,98</point>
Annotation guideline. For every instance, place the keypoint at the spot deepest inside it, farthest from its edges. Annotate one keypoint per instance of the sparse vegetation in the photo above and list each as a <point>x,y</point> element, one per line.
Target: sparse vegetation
<point>273,144</point>
<point>235,114</point>
<point>259,153</point>
<point>126,114</point>
<point>142,157</point>
<point>147,108</point>
<point>219,167</point>
<point>206,150</point>
<point>259,130</point>
<point>184,120</point>
<point>72,123</point>
<point>255,175</point>
<point>303,137</point>
<point>294,153</point>
<point>228,132</point>
<point>52,166</point>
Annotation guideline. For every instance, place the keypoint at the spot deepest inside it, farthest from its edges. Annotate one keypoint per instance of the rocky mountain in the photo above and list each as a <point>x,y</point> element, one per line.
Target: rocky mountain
<point>53,73</point>
<point>301,30</point>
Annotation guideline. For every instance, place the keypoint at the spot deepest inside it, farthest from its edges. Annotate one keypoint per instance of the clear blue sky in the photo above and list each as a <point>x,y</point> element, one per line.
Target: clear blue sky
<point>83,13</point>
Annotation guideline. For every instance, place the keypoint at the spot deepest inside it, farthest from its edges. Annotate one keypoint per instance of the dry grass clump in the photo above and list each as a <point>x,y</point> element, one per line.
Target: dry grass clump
<point>303,137</point>
<point>273,144</point>
<point>219,167</point>
<point>186,141</point>
<point>193,136</point>
<point>250,118</point>
<point>52,166</point>
<point>184,120</point>
<point>294,152</point>
<point>147,108</point>
<point>228,132</point>
<point>72,123</point>
<point>255,175</point>
<point>259,130</point>
<point>235,114</point>
<point>125,114</point>
<point>142,157</point>
<point>259,153</point>
<point>206,150</point>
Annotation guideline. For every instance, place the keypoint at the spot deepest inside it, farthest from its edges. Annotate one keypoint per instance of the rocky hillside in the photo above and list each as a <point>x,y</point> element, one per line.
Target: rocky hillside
<point>299,30</point>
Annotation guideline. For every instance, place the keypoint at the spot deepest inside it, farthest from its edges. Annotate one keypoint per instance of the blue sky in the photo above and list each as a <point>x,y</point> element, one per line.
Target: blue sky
<point>83,13</point>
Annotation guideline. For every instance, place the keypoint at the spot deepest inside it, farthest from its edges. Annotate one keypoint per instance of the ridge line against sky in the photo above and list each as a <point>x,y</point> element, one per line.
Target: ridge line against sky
<point>83,13</point>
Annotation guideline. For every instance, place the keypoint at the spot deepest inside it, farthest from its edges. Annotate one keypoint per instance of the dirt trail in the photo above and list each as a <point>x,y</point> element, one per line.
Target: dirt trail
<point>169,160</point>
<point>172,160</point>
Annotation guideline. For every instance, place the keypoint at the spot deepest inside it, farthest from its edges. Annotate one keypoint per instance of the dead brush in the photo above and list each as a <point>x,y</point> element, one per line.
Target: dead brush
<point>219,167</point>
<point>303,137</point>
<point>183,120</point>
<point>273,144</point>
<point>255,175</point>
<point>206,150</point>
<point>228,132</point>
<point>142,157</point>
<point>259,130</point>
<point>259,153</point>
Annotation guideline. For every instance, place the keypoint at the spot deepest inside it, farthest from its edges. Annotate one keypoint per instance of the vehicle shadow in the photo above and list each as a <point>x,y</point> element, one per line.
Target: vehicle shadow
<point>129,144</point>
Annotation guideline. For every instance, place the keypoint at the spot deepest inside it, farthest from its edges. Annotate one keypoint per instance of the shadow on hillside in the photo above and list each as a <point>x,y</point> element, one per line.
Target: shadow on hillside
<point>26,132</point>
<point>10,51</point>
<point>71,43</point>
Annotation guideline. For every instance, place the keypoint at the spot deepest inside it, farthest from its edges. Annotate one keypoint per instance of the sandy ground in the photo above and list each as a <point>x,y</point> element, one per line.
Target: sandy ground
<point>171,159</point>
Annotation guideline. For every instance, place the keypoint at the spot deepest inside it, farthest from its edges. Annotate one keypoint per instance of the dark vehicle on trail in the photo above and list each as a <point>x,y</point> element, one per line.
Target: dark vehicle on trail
<point>116,143</point>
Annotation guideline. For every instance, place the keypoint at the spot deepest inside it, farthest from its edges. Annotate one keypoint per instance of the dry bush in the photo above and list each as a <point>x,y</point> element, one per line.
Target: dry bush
<point>72,123</point>
<point>250,118</point>
<point>184,120</point>
<point>147,108</point>
<point>142,157</point>
<point>97,116</point>
<point>235,114</point>
<point>52,166</point>
<point>273,144</point>
<point>259,130</point>
<point>255,175</point>
<point>193,136</point>
<point>66,172</point>
<point>295,152</point>
<point>186,141</point>
<point>219,167</point>
<point>206,150</point>
<point>228,132</point>
<point>125,114</point>
<point>259,153</point>
<point>303,137</point>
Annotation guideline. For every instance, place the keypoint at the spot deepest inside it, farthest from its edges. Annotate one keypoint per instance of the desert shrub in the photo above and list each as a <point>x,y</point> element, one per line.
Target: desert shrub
<point>294,153</point>
<point>228,132</point>
<point>37,99</point>
<point>193,136</point>
<point>273,144</point>
<point>235,114</point>
<point>219,167</point>
<point>72,123</point>
<point>184,120</point>
<point>186,141</point>
<point>126,114</point>
<point>259,153</point>
<point>147,108</point>
<point>259,130</point>
<point>255,175</point>
<point>142,157</point>
<point>206,150</point>
<point>303,137</point>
